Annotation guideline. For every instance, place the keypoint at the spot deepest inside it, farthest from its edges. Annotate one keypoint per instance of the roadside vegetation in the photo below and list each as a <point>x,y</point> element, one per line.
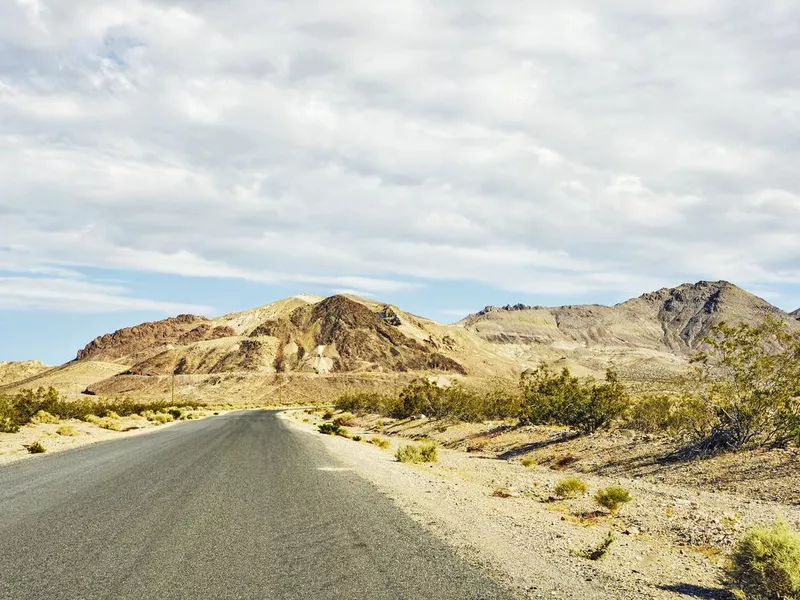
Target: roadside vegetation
<point>766,564</point>
<point>46,406</point>
<point>744,393</point>
<point>423,453</point>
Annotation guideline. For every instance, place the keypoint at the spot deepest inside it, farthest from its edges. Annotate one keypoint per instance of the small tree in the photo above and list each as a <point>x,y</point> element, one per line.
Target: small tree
<point>566,400</point>
<point>749,384</point>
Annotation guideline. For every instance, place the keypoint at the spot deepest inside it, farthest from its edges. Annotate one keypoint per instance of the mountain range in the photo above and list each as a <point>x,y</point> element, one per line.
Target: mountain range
<point>307,346</point>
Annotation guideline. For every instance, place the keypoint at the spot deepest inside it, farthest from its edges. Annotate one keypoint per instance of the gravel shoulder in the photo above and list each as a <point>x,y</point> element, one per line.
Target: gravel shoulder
<point>670,542</point>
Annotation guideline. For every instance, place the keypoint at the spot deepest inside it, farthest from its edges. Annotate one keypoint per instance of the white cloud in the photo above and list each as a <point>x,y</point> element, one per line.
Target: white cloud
<point>541,148</point>
<point>29,293</point>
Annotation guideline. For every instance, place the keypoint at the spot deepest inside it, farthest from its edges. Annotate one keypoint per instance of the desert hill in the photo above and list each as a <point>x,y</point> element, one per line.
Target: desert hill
<point>672,320</point>
<point>11,372</point>
<point>307,346</point>
<point>796,314</point>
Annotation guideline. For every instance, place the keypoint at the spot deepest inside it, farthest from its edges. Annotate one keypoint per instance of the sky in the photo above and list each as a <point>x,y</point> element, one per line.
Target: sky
<point>168,156</point>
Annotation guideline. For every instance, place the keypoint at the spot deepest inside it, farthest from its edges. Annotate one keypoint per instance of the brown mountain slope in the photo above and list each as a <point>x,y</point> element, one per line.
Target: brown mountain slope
<point>796,314</point>
<point>304,335</point>
<point>133,343</point>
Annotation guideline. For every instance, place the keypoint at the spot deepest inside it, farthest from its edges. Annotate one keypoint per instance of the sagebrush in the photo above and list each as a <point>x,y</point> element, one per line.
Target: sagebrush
<point>612,498</point>
<point>765,564</point>
<point>571,487</point>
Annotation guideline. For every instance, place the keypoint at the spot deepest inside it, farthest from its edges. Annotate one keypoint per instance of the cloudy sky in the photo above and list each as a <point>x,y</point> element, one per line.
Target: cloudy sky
<point>165,156</point>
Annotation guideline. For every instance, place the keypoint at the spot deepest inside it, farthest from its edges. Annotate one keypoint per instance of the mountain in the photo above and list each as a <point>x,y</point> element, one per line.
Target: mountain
<point>670,320</point>
<point>305,348</point>
<point>796,314</point>
<point>11,372</point>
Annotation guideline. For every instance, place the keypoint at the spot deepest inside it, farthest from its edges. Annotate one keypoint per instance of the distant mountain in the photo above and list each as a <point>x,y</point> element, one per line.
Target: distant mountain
<point>796,314</point>
<point>336,334</point>
<point>323,346</point>
<point>12,372</point>
<point>672,320</point>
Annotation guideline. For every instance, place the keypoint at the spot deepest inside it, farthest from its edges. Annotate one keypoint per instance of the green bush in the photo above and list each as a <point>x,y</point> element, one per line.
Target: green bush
<point>346,419</point>
<point>22,408</point>
<point>36,448</point>
<point>8,426</point>
<point>528,462</point>
<point>327,416</point>
<point>424,453</point>
<point>765,564</point>
<point>160,418</point>
<point>109,423</point>
<point>329,428</point>
<point>656,412</point>
<point>748,382</point>
<point>356,438</point>
<point>423,397</point>
<point>586,406</point>
<point>366,402</point>
<point>43,418</point>
<point>571,487</point>
<point>67,430</point>
<point>612,498</point>
<point>381,443</point>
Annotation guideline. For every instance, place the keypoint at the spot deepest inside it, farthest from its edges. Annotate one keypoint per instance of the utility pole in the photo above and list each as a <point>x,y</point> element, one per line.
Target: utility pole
<point>173,387</point>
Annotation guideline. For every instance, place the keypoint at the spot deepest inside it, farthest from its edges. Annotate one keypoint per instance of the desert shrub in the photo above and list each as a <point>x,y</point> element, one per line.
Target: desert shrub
<point>22,407</point>
<point>423,453</point>
<point>67,430</point>
<point>601,550</point>
<point>429,452</point>
<point>747,387</point>
<point>345,419</point>
<point>571,487</point>
<point>381,443</point>
<point>366,402</point>
<point>161,418</point>
<point>423,397</point>
<point>612,498</point>
<point>528,462</point>
<point>109,423</point>
<point>327,416</point>
<point>176,413</point>
<point>408,454</point>
<point>656,412</point>
<point>765,564</point>
<point>35,448</point>
<point>8,426</point>
<point>586,406</point>
<point>43,418</point>
<point>329,428</point>
<point>356,438</point>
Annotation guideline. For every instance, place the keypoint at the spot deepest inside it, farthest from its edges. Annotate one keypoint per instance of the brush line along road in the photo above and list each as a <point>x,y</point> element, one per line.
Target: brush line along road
<point>235,506</point>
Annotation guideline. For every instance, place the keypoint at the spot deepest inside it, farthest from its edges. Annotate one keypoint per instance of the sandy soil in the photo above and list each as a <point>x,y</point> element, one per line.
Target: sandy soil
<point>670,542</point>
<point>12,445</point>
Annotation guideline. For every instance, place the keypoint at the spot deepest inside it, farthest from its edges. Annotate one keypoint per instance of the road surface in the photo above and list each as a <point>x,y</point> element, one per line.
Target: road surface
<point>235,506</point>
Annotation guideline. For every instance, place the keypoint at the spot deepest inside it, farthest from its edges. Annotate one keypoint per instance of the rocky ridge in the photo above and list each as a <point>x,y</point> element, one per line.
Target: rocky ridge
<point>344,340</point>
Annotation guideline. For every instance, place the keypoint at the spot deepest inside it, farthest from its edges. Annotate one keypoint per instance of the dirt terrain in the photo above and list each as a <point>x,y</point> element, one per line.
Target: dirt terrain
<point>669,542</point>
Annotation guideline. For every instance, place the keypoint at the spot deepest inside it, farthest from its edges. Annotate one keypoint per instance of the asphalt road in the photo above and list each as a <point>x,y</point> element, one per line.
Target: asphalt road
<point>235,506</point>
